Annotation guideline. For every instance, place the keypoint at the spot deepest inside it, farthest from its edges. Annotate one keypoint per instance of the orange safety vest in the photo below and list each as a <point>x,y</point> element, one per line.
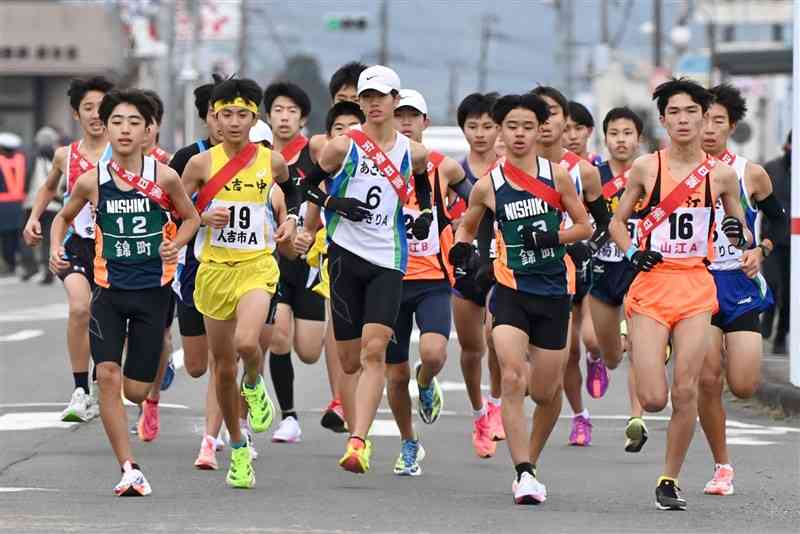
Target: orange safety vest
<point>12,178</point>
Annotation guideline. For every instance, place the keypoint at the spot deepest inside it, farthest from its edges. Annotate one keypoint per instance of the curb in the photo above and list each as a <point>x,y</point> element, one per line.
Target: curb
<point>784,397</point>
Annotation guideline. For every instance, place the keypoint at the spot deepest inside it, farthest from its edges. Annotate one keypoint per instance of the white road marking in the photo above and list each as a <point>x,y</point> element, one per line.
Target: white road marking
<point>384,428</point>
<point>22,335</point>
<point>10,281</point>
<point>177,359</point>
<point>47,312</point>
<point>63,404</point>
<point>748,441</point>
<point>11,489</point>
<point>32,421</point>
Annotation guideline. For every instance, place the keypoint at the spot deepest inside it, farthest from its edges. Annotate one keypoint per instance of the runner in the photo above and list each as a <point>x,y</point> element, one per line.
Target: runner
<point>587,183</point>
<point>196,353</point>
<point>426,293</point>
<point>72,161</point>
<point>673,293</point>
<point>151,147</point>
<point>612,271</point>
<point>342,88</point>
<point>742,292</point>
<point>368,251</point>
<point>579,129</point>
<point>470,291</point>
<point>300,314</point>
<point>238,273</point>
<point>528,195</point>
<point>136,253</point>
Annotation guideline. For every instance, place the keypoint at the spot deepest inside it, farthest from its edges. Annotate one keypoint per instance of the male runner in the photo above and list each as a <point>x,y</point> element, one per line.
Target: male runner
<point>368,250</point>
<point>528,195</point>
<point>300,314</point>
<point>578,131</point>
<point>742,292</point>
<point>470,291</point>
<point>238,272</point>
<point>426,292</point>
<point>71,162</point>
<point>612,272</point>
<point>587,183</point>
<point>151,147</point>
<point>136,248</point>
<point>342,88</point>
<point>674,292</point>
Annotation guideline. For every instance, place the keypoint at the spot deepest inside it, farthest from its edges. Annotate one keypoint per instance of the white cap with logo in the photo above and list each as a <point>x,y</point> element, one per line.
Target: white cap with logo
<point>409,98</point>
<point>379,78</point>
<point>260,132</point>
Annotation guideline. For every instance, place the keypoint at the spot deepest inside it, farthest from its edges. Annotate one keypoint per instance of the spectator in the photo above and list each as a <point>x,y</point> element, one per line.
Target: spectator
<point>12,193</point>
<point>46,141</point>
<point>776,266</point>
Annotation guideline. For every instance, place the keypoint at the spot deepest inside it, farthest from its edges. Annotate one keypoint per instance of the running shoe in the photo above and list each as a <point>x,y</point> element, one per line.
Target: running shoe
<point>482,437</point>
<point>411,454</point>
<point>581,434</point>
<point>149,421</point>
<point>431,399</point>
<point>528,490</point>
<point>495,414</point>
<point>668,351</point>
<point>288,431</point>
<point>207,459</point>
<point>248,436</point>
<point>596,376</point>
<point>94,401</point>
<point>169,375</point>
<point>240,473</point>
<point>356,458</point>
<point>261,409</point>
<point>722,482</point>
<point>635,434</point>
<point>78,409</point>
<point>667,496</point>
<point>333,417</point>
<point>133,483</point>
<point>135,425</point>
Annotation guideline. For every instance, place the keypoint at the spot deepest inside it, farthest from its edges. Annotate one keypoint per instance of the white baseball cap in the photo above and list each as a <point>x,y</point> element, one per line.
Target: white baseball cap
<point>261,132</point>
<point>380,78</point>
<point>412,99</point>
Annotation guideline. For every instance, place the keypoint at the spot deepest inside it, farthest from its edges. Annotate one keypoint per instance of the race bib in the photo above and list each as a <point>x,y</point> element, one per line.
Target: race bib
<point>684,234</point>
<point>246,229</point>
<point>425,247</point>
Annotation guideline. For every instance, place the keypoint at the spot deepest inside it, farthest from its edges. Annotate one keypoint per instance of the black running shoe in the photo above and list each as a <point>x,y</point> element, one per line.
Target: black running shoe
<point>667,496</point>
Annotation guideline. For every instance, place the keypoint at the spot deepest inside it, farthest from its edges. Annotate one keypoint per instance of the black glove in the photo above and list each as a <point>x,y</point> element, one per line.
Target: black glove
<point>422,226</point>
<point>462,257</point>
<point>644,260</point>
<point>580,253</point>
<point>598,240</point>
<point>349,208</point>
<point>734,231</point>
<point>484,277</point>
<point>534,239</point>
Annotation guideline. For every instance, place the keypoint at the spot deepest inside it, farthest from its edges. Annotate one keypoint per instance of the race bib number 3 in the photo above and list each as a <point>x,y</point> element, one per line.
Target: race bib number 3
<point>246,229</point>
<point>424,247</point>
<point>684,234</point>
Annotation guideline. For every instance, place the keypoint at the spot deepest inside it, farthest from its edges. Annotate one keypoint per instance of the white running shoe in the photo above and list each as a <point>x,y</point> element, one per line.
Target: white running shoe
<point>223,438</point>
<point>133,484</point>
<point>528,490</point>
<point>248,436</point>
<point>78,409</point>
<point>94,401</point>
<point>288,431</point>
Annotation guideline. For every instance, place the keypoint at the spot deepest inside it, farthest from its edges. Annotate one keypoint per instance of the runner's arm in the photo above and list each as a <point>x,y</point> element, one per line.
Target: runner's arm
<point>331,156</point>
<point>479,202</point>
<point>456,178</point>
<point>581,228</point>
<point>761,186</point>
<point>729,193</point>
<point>285,247</point>
<point>46,193</point>
<point>195,173</point>
<point>634,190</point>
<point>292,193</point>
<point>190,220</point>
<point>84,190</point>
<point>419,166</point>
<point>315,145</point>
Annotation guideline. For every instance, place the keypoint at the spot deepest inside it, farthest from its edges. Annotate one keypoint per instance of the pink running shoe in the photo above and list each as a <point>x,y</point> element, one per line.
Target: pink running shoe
<point>482,437</point>
<point>722,482</point>
<point>495,414</point>
<point>581,434</point>
<point>149,425</point>
<point>207,459</point>
<point>596,376</point>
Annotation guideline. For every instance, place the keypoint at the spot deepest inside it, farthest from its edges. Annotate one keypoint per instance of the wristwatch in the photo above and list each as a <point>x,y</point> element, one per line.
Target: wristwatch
<point>765,251</point>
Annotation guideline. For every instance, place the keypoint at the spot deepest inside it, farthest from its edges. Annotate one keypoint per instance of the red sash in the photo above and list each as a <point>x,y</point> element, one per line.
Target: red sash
<point>434,160</point>
<point>614,186</point>
<point>148,188</point>
<point>382,161</point>
<point>12,170</point>
<point>532,185</point>
<point>160,154</point>
<point>224,175</point>
<point>569,160</point>
<point>727,157</point>
<point>677,197</point>
<point>294,147</point>
<point>77,165</point>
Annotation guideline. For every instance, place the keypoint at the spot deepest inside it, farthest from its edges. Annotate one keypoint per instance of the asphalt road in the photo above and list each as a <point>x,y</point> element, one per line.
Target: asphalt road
<point>58,477</point>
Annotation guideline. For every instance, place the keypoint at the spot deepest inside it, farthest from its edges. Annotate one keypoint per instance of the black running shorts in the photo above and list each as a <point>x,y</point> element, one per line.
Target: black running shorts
<point>190,321</point>
<point>749,321</point>
<point>611,280</point>
<point>80,255</point>
<point>295,291</point>
<point>429,302</point>
<point>544,319</point>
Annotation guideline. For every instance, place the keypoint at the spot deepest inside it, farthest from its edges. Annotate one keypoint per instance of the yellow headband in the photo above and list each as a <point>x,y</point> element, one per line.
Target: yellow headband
<point>237,102</point>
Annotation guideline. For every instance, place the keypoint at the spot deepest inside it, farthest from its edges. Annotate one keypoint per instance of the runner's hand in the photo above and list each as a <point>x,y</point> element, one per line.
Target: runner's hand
<point>461,258</point>
<point>751,262</point>
<point>644,260</point>
<point>57,261</point>
<point>534,239</point>
<point>216,218</point>
<point>168,251</point>
<point>598,240</point>
<point>303,242</point>
<point>349,208</point>
<point>32,234</point>
<point>286,230</point>
<point>734,231</point>
<point>422,226</point>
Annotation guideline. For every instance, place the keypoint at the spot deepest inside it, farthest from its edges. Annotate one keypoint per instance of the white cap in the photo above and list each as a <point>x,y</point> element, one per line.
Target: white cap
<point>261,132</point>
<point>379,78</point>
<point>10,141</point>
<point>412,99</point>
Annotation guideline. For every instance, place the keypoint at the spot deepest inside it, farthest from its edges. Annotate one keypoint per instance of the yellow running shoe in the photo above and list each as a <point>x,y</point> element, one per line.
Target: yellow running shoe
<point>240,473</point>
<point>356,458</point>
<point>260,408</point>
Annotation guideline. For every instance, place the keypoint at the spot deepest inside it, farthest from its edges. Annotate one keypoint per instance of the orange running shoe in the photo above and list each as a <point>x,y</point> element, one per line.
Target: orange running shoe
<point>149,424</point>
<point>207,459</point>
<point>482,437</point>
<point>495,414</point>
<point>356,458</point>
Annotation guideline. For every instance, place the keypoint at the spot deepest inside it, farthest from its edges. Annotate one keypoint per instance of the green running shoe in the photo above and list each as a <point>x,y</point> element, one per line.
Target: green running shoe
<point>240,473</point>
<point>411,453</point>
<point>261,409</point>
<point>431,400</point>
<point>636,434</point>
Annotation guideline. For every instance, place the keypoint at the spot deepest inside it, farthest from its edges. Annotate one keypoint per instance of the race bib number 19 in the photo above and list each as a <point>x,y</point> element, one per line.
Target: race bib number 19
<point>246,229</point>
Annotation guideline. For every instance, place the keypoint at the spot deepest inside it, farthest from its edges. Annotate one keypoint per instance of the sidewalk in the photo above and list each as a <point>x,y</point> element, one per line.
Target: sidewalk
<point>776,391</point>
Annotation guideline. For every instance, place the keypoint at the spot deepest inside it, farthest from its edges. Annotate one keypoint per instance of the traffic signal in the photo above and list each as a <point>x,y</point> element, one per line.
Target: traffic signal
<point>341,22</point>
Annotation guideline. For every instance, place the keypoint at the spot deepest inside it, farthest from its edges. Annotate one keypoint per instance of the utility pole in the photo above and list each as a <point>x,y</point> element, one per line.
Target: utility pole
<point>657,33</point>
<point>452,92</point>
<point>383,49</point>
<point>605,38</point>
<point>487,34</point>
<point>243,42</point>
